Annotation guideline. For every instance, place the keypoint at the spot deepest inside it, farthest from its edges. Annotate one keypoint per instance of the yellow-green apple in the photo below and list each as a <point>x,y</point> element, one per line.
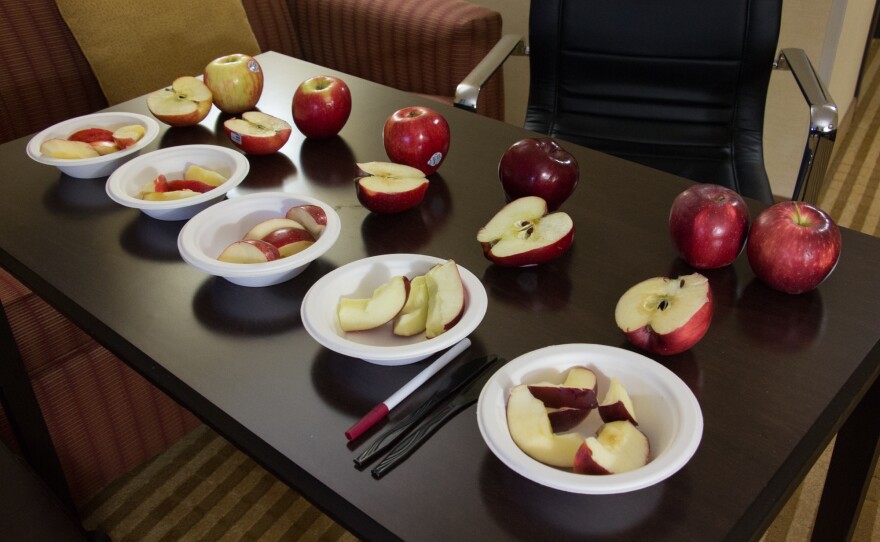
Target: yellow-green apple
<point>446,301</point>
<point>89,135</point>
<point>378,309</point>
<point>264,228</point>
<point>290,241</point>
<point>578,390</point>
<point>257,133</point>
<point>532,432</point>
<point>619,447</point>
<point>185,103</point>
<point>66,149</point>
<point>538,167</point>
<point>128,135</point>
<point>617,405</point>
<point>236,82</point>
<point>312,217</point>
<point>249,251</point>
<point>793,246</point>
<point>417,136</point>
<point>389,187</point>
<point>664,315</point>
<point>709,224</point>
<point>413,317</point>
<point>105,147</point>
<point>522,233</point>
<point>321,106</point>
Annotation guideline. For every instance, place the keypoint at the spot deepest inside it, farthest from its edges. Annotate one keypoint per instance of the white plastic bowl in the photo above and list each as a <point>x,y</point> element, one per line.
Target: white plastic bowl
<point>380,346</point>
<point>126,182</point>
<point>205,236</point>
<point>667,411</point>
<point>100,166</point>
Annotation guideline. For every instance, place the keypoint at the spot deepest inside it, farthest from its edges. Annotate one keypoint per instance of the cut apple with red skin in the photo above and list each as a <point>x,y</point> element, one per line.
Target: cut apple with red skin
<point>523,234</point>
<point>185,103</point>
<point>249,251</point>
<point>577,391</point>
<point>104,147</point>
<point>666,316</point>
<point>413,318</point>
<point>312,217</point>
<point>566,419</point>
<point>128,135</point>
<point>380,308</point>
<point>390,188</point>
<point>91,135</point>
<point>266,227</point>
<point>68,150</point>
<point>619,447</point>
<point>617,405</point>
<point>290,241</point>
<point>257,133</point>
<point>446,301</point>
<point>531,430</point>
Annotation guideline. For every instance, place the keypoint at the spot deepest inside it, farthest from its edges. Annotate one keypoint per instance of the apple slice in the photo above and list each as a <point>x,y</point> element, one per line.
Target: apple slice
<point>666,316</point>
<point>566,419</point>
<point>531,430</point>
<point>617,405</point>
<point>312,217</point>
<point>413,318</point>
<point>249,251</point>
<point>91,135</point>
<point>257,133</point>
<point>445,298</point>
<point>185,103</point>
<point>290,240</point>
<point>619,447</point>
<point>207,176</point>
<point>385,303</point>
<point>104,147</point>
<point>390,187</point>
<point>186,184</point>
<point>577,391</point>
<point>66,149</point>
<point>128,135</point>
<point>170,195</point>
<point>523,234</point>
<point>266,227</point>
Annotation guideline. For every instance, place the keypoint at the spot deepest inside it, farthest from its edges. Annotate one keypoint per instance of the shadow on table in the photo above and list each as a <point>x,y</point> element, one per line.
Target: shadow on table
<point>79,197</point>
<point>152,239</point>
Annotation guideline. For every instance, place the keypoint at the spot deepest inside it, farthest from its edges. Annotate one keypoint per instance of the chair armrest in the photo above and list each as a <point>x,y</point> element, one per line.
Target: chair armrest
<point>467,92</point>
<point>823,123</point>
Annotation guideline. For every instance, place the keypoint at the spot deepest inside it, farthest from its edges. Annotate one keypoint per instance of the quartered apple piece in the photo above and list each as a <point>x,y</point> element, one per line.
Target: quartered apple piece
<point>385,303</point>
<point>523,234</point>
<point>531,430</point>
<point>619,447</point>
<point>445,298</point>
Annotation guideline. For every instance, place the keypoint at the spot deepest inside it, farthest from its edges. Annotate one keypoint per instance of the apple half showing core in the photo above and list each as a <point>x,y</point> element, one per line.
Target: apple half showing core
<point>389,187</point>
<point>523,234</point>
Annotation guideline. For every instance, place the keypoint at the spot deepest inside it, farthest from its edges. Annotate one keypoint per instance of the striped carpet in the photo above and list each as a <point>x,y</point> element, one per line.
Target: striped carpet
<point>204,489</point>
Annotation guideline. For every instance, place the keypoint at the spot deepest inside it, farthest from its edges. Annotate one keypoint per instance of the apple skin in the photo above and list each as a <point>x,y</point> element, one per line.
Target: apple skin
<point>390,202</point>
<point>538,167</point>
<point>91,135</point>
<point>236,82</point>
<point>418,137</point>
<point>793,246</point>
<point>257,133</point>
<point>709,224</point>
<point>321,106</point>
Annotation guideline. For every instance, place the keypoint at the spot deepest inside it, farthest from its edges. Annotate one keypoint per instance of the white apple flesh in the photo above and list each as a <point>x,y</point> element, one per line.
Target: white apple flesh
<point>380,308</point>
<point>249,251</point>
<point>446,300</point>
<point>617,405</point>
<point>413,318</point>
<point>532,432</point>
<point>619,447</point>
<point>185,103</point>
<point>523,234</point>
<point>128,135</point>
<point>578,390</point>
<point>390,187</point>
<point>207,176</point>
<point>67,150</point>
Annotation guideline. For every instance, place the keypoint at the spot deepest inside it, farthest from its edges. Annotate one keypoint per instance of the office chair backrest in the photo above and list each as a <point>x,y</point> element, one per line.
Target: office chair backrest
<point>679,85</point>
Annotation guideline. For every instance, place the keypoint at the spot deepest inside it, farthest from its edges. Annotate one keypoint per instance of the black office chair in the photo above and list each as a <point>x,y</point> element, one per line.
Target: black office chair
<point>679,85</point>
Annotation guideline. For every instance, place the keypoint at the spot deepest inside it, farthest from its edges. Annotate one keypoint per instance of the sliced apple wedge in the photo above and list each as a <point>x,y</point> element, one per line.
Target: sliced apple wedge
<point>445,298</point>
<point>185,103</point>
<point>566,419</point>
<point>312,217</point>
<point>390,187</point>
<point>577,391</point>
<point>619,447</point>
<point>257,133</point>
<point>290,241</point>
<point>249,251</point>
<point>413,318</point>
<point>385,303</point>
<point>523,234</point>
<point>617,405</point>
<point>104,147</point>
<point>266,227</point>
<point>169,195</point>
<point>531,431</point>
<point>207,176</point>
<point>91,135</point>
<point>66,149</point>
<point>128,135</point>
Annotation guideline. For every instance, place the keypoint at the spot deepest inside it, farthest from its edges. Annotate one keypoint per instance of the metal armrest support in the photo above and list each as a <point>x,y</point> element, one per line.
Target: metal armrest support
<point>823,123</point>
<point>467,92</point>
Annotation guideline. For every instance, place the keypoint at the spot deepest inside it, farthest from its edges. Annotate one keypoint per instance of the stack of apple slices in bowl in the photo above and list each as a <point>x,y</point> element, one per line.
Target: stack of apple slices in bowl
<point>367,309</point>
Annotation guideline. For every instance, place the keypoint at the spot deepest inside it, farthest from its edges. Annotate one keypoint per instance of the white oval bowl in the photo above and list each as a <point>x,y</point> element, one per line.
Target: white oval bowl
<point>125,183</point>
<point>380,346</point>
<point>667,411</point>
<point>99,166</point>
<point>204,237</point>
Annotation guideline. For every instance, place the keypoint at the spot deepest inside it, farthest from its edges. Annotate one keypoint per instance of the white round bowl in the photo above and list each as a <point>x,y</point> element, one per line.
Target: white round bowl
<point>205,236</point>
<point>667,411</point>
<point>100,166</point>
<point>380,346</point>
<point>125,183</point>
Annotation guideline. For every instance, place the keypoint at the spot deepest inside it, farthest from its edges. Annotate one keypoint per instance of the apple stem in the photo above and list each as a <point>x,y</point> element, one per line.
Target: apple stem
<point>800,219</point>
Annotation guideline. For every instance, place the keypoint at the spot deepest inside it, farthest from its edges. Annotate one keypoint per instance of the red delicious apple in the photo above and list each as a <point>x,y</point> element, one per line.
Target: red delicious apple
<point>235,81</point>
<point>709,224</point>
<point>321,106</point>
<point>257,133</point>
<point>793,246</point>
<point>522,234</point>
<point>538,167</point>
<point>666,316</point>
<point>418,137</point>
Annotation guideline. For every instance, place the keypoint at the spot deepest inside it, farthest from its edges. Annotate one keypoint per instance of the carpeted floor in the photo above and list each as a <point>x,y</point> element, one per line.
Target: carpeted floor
<point>204,489</point>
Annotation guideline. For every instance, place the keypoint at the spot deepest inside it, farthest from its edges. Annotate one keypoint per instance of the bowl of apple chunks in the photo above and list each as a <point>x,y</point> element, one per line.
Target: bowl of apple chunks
<point>394,309</point>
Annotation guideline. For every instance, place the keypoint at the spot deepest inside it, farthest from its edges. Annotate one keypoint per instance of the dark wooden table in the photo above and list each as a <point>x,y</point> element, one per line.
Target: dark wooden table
<point>776,376</point>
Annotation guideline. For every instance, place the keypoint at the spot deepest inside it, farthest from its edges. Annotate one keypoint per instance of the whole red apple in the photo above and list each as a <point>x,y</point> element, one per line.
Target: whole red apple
<point>538,167</point>
<point>709,225</point>
<point>321,106</point>
<point>417,137</point>
<point>793,246</point>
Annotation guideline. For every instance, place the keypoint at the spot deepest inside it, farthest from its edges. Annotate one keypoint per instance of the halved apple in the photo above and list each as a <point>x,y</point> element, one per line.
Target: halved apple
<point>619,447</point>
<point>531,430</point>
<point>249,251</point>
<point>257,133</point>
<point>185,103</point>
<point>390,187</point>
<point>91,135</point>
<point>66,149</point>
<point>413,318</point>
<point>290,241</point>
<point>617,405</point>
<point>523,234</point>
<point>380,308</point>
<point>312,217</point>
<point>266,227</point>
<point>445,298</point>
<point>577,391</point>
<point>666,316</point>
